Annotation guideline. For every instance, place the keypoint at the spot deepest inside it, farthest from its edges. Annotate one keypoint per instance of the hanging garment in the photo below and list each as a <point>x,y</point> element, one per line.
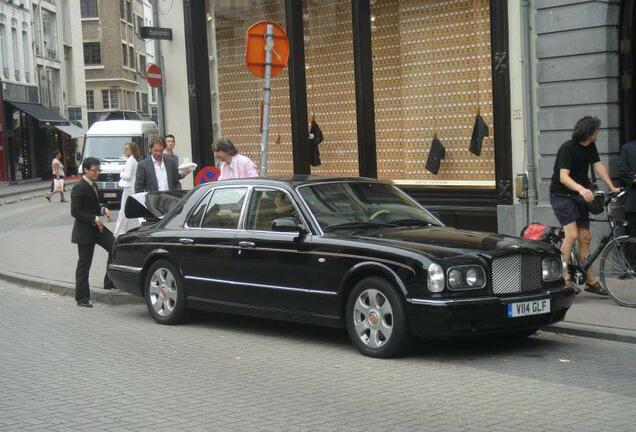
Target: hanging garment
<point>480,131</point>
<point>435,156</point>
<point>315,138</point>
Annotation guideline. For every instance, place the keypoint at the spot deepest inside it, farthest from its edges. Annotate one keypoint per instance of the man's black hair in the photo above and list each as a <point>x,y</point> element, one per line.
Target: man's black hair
<point>89,163</point>
<point>585,128</point>
<point>225,145</point>
<point>170,136</point>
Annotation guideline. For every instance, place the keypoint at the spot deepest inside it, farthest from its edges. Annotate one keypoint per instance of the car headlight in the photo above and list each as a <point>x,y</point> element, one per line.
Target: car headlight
<point>466,277</point>
<point>435,278</point>
<point>551,269</point>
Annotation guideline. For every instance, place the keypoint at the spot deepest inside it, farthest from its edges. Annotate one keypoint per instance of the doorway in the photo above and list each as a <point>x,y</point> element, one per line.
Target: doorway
<point>628,69</point>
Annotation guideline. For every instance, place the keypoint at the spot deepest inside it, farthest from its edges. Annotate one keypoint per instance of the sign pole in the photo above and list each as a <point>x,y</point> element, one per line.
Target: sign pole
<point>159,60</point>
<point>267,90</point>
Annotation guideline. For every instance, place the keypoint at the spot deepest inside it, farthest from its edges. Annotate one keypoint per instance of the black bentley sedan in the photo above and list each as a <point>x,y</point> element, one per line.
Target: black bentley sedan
<point>342,252</point>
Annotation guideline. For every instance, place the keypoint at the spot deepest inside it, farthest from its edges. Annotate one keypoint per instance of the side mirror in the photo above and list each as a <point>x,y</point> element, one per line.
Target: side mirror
<point>288,224</point>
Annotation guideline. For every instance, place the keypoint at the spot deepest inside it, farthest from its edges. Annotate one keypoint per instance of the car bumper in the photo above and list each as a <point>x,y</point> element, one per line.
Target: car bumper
<point>447,318</point>
<point>126,278</point>
<point>110,195</point>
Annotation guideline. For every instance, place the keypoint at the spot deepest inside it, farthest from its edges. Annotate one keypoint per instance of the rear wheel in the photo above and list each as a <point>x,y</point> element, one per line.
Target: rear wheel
<point>165,296</point>
<point>618,270</point>
<point>376,319</point>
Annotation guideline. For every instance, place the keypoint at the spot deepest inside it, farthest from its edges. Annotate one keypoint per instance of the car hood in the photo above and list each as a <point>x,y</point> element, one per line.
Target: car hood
<point>445,242</point>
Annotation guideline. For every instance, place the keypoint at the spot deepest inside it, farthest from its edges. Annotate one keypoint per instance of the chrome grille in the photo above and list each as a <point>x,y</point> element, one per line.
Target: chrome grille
<point>515,274</point>
<point>107,185</point>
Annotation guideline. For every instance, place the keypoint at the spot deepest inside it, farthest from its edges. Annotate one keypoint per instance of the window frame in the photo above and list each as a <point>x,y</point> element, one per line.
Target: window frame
<point>85,5</point>
<point>209,197</point>
<point>99,52</point>
<point>254,189</point>
<point>90,106</point>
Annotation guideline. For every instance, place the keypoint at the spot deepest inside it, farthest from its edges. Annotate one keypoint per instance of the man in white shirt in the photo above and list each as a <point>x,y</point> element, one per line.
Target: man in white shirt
<point>156,172</point>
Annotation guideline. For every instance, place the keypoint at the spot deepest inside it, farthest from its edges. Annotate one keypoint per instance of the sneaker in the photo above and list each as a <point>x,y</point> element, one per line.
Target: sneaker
<point>595,288</point>
<point>48,198</point>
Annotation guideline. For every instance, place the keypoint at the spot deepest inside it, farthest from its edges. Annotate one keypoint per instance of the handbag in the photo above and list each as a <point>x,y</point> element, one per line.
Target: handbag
<point>58,185</point>
<point>597,206</point>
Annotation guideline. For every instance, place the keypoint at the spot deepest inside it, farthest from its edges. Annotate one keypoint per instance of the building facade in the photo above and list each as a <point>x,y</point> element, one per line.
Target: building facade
<point>42,86</point>
<point>383,78</point>
<point>115,58</point>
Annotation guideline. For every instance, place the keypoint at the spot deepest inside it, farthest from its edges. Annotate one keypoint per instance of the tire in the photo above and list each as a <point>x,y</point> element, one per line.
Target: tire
<point>376,319</point>
<point>618,270</point>
<point>165,294</point>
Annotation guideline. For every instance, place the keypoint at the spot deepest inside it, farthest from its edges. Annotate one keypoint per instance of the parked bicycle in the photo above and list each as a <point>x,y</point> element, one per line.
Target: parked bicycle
<point>616,250</point>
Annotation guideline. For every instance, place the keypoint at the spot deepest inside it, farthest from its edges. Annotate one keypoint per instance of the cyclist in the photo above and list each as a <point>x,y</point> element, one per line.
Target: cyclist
<point>570,190</point>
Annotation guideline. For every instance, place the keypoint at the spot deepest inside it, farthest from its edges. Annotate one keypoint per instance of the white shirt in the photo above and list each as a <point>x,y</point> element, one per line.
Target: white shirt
<point>161,173</point>
<point>128,173</point>
<point>60,168</point>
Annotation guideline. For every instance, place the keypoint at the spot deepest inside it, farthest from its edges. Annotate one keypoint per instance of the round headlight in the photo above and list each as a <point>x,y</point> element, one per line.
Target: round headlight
<point>474,277</point>
<point>455,279</point>
<point>435,278</point>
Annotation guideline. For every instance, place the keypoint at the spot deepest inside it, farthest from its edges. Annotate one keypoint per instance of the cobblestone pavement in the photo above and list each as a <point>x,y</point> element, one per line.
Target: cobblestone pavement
<point>64,368</point>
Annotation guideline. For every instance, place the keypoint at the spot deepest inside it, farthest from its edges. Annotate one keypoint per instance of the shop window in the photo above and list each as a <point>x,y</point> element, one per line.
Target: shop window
<point>88,8</point>
<point>92,53</point>
<point>90,100</point>
<point>237,109</point>
<point>331,98</point>
<point>432,75</point>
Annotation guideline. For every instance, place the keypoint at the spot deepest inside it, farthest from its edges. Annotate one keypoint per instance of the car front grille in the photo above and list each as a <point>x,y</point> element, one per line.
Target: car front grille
<point>107,185</point>
<point>108,178</point>
<point>515,274</point>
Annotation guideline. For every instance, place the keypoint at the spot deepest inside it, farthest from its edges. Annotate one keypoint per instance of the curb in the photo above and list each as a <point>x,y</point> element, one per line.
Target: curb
<point>593,331</point>
<point>13,197</point>
<point>67,289</point>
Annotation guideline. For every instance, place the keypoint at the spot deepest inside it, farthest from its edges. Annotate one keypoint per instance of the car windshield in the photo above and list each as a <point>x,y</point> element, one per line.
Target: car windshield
<point>363,205</point>
<point>108,147</point>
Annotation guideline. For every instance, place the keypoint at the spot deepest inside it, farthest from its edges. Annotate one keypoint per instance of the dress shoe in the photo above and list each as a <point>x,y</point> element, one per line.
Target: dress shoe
<point>85,303</point>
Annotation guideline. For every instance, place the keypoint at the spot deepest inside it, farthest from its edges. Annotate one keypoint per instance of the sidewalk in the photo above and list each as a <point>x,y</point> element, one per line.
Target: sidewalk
<point>42,256</point>
<point>28,189</point>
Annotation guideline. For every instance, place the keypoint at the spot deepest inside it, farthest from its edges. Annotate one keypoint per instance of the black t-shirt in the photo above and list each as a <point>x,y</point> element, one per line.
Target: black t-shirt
<point>576,158</point>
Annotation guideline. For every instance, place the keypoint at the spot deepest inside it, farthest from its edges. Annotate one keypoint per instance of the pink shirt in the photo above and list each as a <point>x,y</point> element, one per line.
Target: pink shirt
<point>240,167</point>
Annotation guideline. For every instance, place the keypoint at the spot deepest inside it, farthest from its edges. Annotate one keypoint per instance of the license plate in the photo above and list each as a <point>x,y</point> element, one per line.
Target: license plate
<point>110,195</point>
<point>534,307</point>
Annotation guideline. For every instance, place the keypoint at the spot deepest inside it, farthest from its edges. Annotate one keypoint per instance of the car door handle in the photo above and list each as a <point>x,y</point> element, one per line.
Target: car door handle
<point>186,241</point>
<point>247,244</point>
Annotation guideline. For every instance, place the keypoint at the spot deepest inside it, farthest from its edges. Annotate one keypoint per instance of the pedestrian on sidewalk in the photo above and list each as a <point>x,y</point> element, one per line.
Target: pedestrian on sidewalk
<point>89,229</point>
<point>169,151</point>
<point>233,164</point>
<point>57,171</point>
<point>570,190</point>
<point>127,182</point>
<point>157,172</point>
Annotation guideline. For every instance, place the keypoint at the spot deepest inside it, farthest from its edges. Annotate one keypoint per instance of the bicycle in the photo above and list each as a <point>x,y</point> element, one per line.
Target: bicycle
<point>617,271</point>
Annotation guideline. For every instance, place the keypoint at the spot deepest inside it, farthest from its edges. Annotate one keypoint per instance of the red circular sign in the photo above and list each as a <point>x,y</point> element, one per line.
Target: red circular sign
<point>207,174</point>
<point>153,75</point>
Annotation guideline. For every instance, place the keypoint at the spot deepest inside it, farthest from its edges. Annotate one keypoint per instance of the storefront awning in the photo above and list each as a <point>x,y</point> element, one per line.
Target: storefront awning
<point>39,112</point>
<point>71,130</point>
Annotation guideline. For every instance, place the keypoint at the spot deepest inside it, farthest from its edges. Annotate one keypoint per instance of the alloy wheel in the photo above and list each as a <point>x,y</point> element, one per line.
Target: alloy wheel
<point>163,292</point>
<point>373,318</point>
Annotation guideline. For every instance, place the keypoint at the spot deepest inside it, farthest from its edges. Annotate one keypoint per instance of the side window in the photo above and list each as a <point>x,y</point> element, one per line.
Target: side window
<point>267,205</point>
<point>224,209</point>
<point>194,221</point>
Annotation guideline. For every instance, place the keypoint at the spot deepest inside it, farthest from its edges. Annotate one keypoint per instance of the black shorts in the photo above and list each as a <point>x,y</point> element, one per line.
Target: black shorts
<point>570,208</point>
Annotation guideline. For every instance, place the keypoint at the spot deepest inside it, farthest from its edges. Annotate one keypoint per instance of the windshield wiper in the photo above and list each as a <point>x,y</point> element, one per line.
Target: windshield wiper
<point>347,225</point>
<point>412,222</point>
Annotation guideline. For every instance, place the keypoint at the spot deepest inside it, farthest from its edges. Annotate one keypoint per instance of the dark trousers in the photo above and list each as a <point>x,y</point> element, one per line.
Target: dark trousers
<point>85,253</point>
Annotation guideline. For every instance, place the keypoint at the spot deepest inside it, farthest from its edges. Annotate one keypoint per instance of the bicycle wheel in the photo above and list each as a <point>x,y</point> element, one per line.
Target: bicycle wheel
<point>618,270</point>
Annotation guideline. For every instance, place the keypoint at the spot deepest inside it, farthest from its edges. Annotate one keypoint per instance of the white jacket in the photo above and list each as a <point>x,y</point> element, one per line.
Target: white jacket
<point>128,173</point>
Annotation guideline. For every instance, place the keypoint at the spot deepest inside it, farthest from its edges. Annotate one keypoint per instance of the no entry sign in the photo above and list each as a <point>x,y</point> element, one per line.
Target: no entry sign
<point>207,174</point>
<point>153,75</point>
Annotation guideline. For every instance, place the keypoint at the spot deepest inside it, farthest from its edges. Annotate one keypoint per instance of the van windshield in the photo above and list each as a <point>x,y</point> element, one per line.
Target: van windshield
<point>108,147</point>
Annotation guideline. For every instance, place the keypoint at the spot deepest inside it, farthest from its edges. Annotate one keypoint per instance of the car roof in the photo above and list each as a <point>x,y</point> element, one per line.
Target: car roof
<point>294,181</point>
<point>121,127</point>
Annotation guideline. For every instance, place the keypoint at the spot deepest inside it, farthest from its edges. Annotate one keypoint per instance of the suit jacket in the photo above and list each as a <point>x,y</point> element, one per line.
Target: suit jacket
<point>435,156</point>
<point>480,131</point>
<point>627,171</point>
<point>85,206</point>
<point>147,179</point>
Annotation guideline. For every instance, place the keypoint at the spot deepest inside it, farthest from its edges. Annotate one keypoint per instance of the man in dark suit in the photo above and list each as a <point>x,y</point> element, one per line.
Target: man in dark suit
<point>627,171</point>
<point>157,172</point>
<point>88,229</point>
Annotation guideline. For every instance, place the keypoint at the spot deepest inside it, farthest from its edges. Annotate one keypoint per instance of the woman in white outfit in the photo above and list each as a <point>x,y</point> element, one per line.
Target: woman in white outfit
<point>127,182</point>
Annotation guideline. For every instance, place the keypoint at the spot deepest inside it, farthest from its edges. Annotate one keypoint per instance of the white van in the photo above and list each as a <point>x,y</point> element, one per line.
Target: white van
<point>105,141</point>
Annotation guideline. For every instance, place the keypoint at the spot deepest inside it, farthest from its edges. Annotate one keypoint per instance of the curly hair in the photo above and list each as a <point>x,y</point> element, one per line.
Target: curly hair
<point>585,128</point>
<point>225,145</point>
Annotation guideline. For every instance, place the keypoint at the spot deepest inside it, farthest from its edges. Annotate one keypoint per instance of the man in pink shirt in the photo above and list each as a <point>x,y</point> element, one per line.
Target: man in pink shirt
<point>233,164</point>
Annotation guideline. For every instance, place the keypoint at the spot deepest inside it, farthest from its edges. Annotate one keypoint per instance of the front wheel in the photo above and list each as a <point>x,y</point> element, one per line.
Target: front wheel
<point>618,270</point>
<point>376,319</point>
<point>165,296</point>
